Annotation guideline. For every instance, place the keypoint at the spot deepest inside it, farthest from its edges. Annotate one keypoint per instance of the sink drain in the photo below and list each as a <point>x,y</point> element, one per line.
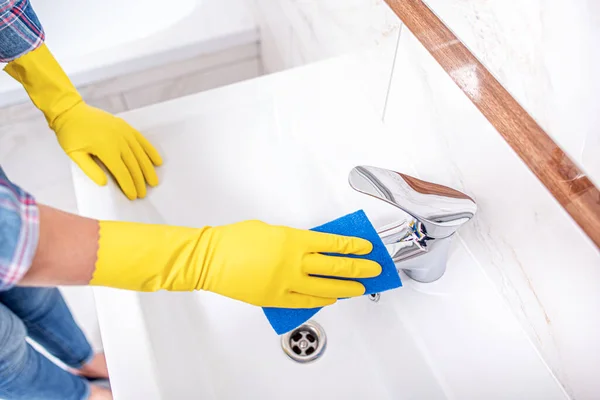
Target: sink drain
<point>375,297</point>
<point>305,343</point>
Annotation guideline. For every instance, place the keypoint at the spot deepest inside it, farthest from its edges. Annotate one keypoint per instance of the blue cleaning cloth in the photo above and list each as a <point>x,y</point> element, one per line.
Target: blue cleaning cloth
<point>356,224</point>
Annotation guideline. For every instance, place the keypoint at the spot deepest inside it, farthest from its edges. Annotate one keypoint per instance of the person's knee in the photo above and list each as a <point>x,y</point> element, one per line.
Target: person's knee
<point>44,299</point>
<point>13,347</point>
<point>31,303</point>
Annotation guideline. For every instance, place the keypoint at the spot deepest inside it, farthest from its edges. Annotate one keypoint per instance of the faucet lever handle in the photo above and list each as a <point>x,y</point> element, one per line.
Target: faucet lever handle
<point>440,209</point>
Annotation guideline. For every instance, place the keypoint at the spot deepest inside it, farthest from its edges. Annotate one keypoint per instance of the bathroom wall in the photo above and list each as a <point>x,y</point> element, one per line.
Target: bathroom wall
<point>295,33</point>
<point>546,54</point>
<point>539,259</point>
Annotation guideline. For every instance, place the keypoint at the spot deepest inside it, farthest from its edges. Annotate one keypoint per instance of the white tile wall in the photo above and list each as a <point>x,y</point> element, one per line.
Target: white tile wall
<point>275,48</point>
<point>295,33</point>
<point>275,35</point>
<point>546,54</point>
<point>540,261</point>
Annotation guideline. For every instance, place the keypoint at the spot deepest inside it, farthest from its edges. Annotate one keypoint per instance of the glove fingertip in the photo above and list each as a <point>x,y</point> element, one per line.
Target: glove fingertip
<point>101,180</point>
<point>96,175</point>
<point>150,150</point>
<point>150,175</point>
<point>157,159</point>
<point>90,168</point>
<point>360,246</point>
<point>153,183</point>
<point>357,289</point>
<point>129,193</point>
<point>370,269</point>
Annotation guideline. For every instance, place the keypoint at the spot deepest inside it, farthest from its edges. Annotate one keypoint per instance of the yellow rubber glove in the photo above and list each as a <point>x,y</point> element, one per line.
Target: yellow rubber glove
<point>84,131</point>
<point>250,261</point>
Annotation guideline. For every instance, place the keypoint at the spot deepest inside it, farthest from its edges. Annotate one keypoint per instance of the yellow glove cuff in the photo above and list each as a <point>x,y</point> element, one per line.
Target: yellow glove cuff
<point>148,258</point>
<point>47,85</point>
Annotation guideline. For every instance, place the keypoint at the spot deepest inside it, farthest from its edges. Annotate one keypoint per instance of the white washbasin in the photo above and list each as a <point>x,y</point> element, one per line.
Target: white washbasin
<point>279,149</point>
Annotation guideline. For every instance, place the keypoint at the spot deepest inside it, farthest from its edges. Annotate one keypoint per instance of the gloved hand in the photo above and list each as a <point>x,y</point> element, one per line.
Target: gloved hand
<point>260,264</point>
<point>85,131</point>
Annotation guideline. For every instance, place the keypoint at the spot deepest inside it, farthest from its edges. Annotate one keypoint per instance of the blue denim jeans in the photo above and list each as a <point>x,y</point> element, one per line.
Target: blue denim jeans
<point>43,315</point>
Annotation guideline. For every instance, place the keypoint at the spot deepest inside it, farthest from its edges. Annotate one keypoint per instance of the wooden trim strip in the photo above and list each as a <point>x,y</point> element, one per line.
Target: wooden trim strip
<point>567,183</point>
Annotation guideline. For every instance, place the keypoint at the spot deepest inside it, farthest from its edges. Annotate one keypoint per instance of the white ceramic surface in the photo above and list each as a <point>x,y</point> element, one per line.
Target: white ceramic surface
<point>141,36</point>
<point>541,262</point>
<point>279,148</point>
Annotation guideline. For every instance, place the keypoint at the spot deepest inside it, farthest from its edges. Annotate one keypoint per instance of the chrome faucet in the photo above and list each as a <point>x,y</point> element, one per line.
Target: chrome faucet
<point>419,243</point>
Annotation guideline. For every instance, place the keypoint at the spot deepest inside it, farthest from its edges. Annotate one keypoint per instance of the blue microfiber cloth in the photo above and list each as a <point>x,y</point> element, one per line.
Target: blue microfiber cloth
<point>356,224</point>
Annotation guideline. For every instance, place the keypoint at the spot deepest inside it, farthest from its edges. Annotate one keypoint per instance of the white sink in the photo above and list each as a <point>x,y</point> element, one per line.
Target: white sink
<point>279,149</point>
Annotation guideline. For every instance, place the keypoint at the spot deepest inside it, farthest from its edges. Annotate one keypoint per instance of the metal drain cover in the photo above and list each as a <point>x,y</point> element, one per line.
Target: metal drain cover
<point>305,343</point>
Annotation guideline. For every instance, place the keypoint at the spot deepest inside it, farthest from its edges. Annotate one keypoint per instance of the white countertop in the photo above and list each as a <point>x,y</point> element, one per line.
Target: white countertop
<point>279,148</point>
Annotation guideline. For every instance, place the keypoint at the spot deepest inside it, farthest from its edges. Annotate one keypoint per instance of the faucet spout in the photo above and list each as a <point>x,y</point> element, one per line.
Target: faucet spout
<point>419,243</point>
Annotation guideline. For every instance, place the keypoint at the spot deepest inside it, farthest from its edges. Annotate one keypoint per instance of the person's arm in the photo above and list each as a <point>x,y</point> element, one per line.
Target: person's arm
<point>66,252</point>
<point>258,263</point>
<point>261,264</point>
<point>85,133</point>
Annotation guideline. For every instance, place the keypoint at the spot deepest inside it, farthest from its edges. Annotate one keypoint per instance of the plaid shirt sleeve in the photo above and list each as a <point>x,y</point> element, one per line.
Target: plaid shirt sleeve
<point>20,29</point>
<point>19,232</point>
